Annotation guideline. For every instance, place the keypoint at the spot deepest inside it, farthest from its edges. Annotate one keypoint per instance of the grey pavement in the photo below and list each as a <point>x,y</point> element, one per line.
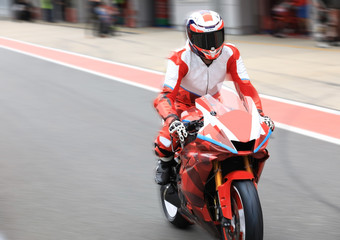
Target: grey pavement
<point>290,68</point>
<point>78,164</point>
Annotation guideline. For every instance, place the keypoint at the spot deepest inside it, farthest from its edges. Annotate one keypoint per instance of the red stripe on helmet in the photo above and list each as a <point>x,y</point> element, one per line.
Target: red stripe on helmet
<point>222,26</point>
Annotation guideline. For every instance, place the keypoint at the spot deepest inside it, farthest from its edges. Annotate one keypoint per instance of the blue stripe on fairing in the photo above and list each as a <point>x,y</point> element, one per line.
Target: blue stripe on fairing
<point>258,148</point>
<point>245,79</point>
<point>216,143</point>
<point>166,85</point>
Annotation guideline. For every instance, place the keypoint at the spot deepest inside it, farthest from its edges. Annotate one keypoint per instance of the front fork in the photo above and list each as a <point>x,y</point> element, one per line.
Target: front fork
<point>223,186</point>
<point>218,170</point>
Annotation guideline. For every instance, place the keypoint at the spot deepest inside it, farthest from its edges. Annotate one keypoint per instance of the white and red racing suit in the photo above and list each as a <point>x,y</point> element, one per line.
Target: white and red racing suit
<point>188,77</point>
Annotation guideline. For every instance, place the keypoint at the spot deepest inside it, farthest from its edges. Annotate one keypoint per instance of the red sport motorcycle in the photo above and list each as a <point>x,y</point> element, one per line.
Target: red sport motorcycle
<point>219,165</point>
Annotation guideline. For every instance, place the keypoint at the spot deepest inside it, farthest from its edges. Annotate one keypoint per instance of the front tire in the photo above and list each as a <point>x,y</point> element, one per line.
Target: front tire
<point>171,211</point>
<point>247,222</point>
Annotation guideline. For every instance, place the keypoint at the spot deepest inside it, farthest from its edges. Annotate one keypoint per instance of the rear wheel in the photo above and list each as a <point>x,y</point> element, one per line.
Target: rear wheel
<point>247,221</point>
<point>170,210</point>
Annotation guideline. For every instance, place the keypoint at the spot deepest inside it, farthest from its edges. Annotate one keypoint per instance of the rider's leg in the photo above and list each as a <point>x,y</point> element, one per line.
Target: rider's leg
<point>165,146</point>
<point>164,149</point>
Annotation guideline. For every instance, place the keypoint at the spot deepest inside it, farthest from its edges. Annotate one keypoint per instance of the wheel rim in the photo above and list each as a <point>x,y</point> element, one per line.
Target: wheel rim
<point>170,208</point>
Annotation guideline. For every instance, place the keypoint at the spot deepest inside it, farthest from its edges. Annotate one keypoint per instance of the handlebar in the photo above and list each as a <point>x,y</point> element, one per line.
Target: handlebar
<point>194,126</point>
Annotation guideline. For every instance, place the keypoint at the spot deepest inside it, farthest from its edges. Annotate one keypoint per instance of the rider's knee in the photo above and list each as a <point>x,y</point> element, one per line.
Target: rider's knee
<point>162,151</point>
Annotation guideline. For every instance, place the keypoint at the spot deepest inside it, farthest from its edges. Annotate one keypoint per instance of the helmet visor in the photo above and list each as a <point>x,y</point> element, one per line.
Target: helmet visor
<point>207,40</point>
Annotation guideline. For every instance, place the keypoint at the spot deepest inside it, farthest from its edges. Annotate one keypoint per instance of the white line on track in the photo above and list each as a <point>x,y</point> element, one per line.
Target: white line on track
<point>82,55</point>
<point>278,125</point>
<point>305,105</point>
<point>84,70</point>
<point>308,133</point>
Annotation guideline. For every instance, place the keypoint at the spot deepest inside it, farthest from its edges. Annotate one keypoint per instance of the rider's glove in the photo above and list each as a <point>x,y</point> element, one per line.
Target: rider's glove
<point>177,127</point>
<point>269,122</point>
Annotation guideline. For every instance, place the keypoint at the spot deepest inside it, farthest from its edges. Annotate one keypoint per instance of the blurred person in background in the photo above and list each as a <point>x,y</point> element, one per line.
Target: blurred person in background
<point>283,16</point>
<point>301,13</point>
<point>121,5</point>
<point>23,10</point>
<point>325,23</point>
<point>101,17</point>
<point>60,7</point>
<point>104,16</point>
<point>199,68</point>
<point>114,11</point>
<point>92,4</point>
<point>92,18</point>
<point>333,28</point>
<point>47,7</point>
<point>290,16</point>
<point>320,19</point>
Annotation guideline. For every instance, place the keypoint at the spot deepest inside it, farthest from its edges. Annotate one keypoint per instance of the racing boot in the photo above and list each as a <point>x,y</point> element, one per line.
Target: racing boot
<point>163,171</point>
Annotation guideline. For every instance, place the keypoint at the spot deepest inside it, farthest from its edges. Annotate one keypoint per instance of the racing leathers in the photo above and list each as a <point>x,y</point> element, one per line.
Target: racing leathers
<point>187,78</point>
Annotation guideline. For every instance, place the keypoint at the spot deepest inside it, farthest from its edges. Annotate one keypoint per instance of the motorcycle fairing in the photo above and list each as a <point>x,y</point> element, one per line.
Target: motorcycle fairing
<point>214,143</point>
<point>261,142</point>
<point>222,122</point>
<point>204,138</point>
<point>225,190</point>
<point>196,165</point>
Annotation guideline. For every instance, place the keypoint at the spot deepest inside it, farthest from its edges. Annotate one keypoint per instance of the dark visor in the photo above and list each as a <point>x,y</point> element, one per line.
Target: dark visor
<point>207,40</point>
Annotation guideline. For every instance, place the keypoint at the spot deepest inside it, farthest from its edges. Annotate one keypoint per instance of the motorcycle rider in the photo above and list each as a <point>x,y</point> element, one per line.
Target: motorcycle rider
<point>199,68</point>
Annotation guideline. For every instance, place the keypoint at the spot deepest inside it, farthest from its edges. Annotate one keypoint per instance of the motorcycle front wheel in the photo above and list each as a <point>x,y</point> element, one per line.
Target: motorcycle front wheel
<point>171,211</point>
<point>247,221</point>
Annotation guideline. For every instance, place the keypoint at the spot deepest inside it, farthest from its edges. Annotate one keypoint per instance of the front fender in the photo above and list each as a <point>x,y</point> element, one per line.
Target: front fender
<point>224,190</point>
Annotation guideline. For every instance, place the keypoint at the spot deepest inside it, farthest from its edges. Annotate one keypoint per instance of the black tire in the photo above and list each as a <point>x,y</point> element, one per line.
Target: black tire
<point>247,223</point>
<point>171,211</point>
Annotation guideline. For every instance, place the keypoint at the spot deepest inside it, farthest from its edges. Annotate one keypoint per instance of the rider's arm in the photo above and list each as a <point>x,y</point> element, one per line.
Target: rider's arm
<point>165,102</point>
<point>239,75</point>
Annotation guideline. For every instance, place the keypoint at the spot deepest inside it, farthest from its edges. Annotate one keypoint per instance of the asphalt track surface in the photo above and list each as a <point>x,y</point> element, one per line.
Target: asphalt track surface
<point>76,162</point>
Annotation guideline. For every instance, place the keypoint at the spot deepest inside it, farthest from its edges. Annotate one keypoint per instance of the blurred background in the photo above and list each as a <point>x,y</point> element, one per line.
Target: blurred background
<point>76,145</point>
<point>242,17</point>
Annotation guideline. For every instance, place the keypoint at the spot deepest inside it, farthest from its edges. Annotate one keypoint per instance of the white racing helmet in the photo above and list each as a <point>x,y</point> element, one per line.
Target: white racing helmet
<point>205,31</point>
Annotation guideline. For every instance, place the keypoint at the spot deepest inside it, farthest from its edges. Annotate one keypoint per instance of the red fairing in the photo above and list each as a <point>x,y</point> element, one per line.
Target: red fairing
<point>237,121</point>
<point>196,166</point>
<point>224,190</point>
